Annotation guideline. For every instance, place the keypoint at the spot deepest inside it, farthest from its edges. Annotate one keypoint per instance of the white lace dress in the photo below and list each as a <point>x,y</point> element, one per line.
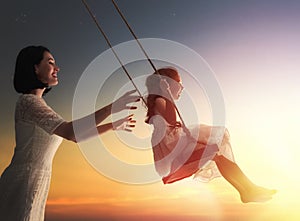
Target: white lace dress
<point>24,184</point>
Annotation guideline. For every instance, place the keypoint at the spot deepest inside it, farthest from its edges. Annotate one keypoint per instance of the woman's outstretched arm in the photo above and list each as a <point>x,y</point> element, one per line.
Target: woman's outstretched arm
<point>86,124</point>
<point>126,124</point>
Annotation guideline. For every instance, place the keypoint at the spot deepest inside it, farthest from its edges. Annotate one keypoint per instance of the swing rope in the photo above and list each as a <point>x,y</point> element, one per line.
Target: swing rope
<point>112,49</point>
<point>134,35</point>
<point>185,129</point>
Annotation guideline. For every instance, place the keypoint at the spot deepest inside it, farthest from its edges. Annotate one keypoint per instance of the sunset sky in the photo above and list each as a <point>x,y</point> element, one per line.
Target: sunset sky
<point>252,51</point>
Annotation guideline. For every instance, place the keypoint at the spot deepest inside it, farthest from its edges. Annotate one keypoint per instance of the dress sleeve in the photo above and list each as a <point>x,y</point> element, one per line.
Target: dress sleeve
<point>34,109</point>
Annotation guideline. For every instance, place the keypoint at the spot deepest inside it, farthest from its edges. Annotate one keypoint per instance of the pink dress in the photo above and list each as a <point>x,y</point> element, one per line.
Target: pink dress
<point>178,156</point>
<point>24,184</point>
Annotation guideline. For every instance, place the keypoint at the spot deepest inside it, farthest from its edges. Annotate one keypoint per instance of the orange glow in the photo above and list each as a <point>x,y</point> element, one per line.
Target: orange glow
<point>78,191</point>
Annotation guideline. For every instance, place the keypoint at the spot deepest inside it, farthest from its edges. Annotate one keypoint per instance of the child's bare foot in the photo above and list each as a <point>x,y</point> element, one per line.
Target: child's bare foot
<point>257,194</point>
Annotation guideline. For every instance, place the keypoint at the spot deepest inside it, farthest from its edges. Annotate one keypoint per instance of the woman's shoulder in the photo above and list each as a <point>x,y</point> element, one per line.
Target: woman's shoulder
<point>27,100</point>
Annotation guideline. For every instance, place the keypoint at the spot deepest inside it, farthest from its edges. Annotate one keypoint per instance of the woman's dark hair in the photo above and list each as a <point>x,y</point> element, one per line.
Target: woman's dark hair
<point>153,87</point>
<point>25,78</point>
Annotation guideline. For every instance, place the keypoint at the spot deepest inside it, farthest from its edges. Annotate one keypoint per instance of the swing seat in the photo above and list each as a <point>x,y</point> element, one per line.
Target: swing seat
<point>193,164</point>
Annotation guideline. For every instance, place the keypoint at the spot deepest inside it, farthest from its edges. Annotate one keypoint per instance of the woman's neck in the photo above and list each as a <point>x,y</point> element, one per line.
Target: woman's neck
<point>38,92</point>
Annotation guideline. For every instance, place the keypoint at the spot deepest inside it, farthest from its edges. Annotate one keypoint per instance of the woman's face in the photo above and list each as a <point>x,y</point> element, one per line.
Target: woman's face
<point>47,70</point>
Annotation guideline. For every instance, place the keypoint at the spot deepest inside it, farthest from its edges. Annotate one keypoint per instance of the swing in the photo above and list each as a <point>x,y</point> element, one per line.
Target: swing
<point>119,60</point>
<point>192,164</point>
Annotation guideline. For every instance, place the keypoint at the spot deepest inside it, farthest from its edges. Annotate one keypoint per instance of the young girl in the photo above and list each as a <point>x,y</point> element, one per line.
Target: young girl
<point>24,184</point>
<point>203,151</point>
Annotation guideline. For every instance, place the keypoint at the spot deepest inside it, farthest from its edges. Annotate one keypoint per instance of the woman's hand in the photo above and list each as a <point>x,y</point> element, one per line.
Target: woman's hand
<point>126,124</point>
<point>121,103</point>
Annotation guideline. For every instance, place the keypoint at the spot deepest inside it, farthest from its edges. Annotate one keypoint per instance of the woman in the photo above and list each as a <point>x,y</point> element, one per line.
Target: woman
<point>24,184</point>
<point>203,151</point>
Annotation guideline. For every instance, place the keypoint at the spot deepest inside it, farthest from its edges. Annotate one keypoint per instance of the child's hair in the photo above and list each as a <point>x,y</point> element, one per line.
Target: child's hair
<point>25,78</point>
<point>153,87</point>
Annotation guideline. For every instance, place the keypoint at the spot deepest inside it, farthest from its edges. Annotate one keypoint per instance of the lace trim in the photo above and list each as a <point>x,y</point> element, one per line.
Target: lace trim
<point>33,109</point>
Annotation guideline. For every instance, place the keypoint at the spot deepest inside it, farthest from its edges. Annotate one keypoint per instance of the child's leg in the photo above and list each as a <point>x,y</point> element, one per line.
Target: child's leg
<point>249,192</point>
